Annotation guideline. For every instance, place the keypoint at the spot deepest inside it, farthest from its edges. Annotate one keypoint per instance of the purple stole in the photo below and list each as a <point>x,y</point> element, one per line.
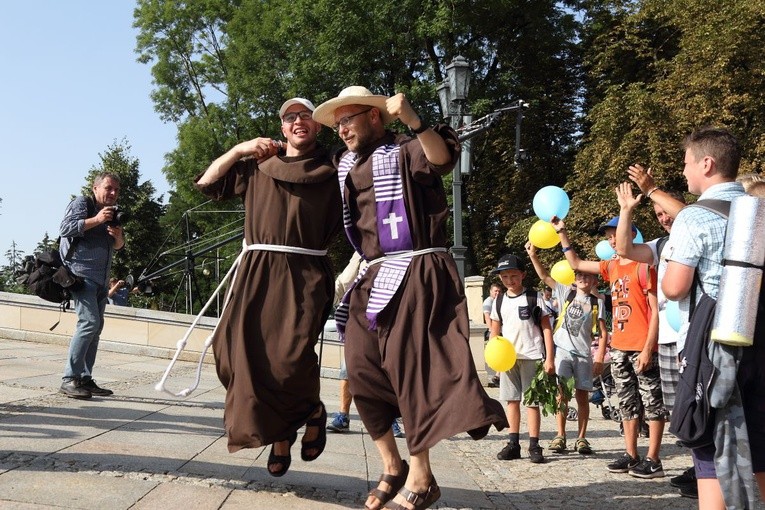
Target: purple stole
<point>392,231</point>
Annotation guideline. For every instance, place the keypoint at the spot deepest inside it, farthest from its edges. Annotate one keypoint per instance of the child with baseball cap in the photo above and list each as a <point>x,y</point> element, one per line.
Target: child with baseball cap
<point>517,315</point>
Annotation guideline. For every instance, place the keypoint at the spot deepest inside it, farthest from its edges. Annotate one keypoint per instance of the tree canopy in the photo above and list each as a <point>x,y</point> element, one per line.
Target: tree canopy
<point>608,82</point>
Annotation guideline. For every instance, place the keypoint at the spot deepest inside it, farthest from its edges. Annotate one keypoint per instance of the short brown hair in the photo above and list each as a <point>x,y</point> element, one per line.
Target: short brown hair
<point>718,143</point>
<point>756,189</point>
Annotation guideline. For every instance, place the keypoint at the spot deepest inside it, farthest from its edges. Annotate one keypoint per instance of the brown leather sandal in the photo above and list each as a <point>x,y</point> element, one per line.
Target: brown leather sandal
<point>395,482</point>
<point>320,442</point>
<point>419,500</point>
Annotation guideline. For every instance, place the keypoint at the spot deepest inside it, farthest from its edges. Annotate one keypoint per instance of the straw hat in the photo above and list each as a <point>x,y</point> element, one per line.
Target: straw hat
<point>325,112</point>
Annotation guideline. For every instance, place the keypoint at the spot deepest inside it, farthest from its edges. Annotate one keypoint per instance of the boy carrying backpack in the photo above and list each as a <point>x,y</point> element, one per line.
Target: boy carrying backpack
<point>724,468</point>
<point>634,349</point>
<point>580,315</point>
<point>518,316</point>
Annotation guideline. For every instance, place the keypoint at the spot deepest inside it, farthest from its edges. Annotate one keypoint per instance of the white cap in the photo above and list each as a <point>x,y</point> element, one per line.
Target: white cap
<point>295,100</point>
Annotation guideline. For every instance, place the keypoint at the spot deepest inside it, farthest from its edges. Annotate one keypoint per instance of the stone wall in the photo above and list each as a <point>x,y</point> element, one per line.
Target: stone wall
<point>153,333</point>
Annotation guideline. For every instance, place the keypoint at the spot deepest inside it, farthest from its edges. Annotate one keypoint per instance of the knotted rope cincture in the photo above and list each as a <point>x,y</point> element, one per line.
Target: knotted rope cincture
<point>160,386</point>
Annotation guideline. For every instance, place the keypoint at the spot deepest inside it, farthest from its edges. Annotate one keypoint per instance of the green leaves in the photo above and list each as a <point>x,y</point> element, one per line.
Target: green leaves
<point>545,390</point>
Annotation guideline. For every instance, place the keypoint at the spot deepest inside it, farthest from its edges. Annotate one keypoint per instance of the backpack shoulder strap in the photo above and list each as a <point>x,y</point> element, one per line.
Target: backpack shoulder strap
<point>644,271</point>
<point>498,304</point>
<point>720,207</point>
<point>91,205</point>
<point>564,306</point>
<point>595,313</point>
<point>536,311</point>
<point>660,245</point>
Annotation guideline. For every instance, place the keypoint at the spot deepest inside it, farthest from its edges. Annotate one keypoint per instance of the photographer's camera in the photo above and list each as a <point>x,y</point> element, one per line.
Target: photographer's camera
<point>118,217</point>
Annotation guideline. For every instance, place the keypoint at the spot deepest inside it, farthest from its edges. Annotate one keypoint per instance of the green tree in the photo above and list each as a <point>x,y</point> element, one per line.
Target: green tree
<point>137,200</point>
<point>13,270</point>
<point>655,71</point>
<point>223,67</point>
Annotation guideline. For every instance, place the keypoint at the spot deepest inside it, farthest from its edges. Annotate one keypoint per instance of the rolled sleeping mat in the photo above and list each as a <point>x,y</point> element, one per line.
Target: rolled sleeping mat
<point>743,259</point>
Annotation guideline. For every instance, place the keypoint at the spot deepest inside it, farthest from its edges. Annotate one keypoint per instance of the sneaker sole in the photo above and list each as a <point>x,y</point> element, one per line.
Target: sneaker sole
<point>646,476</point>
<point>616,470</point>
<point>690,495</point>
<point>78,397</point>
<point>334,429</point>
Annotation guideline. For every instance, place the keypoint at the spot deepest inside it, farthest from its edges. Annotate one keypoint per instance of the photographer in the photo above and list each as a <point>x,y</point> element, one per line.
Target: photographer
<point>93,221</point>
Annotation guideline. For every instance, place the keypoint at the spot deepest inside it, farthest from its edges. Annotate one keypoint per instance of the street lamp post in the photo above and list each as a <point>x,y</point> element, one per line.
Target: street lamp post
<point>452,94</point>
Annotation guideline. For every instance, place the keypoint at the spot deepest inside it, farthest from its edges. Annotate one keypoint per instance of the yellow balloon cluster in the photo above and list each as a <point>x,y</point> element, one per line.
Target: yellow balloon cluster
<point>562,272</point>
<point>543,235</point>
<point>500,354</point>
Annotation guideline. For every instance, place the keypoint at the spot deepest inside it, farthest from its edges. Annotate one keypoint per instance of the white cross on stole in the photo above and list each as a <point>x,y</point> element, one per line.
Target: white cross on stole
<point>393,221</point>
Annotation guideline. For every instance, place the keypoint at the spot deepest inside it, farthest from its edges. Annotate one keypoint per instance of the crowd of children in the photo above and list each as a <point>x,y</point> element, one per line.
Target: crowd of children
<point>644,347</point>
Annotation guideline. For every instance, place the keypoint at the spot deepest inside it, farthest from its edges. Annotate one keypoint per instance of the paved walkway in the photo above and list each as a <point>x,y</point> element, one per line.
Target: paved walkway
<point>141,449</point>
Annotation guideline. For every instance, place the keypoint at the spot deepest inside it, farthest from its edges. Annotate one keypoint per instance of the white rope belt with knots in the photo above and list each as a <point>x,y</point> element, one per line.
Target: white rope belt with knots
<point>405,254</point>
<point>182,342</point>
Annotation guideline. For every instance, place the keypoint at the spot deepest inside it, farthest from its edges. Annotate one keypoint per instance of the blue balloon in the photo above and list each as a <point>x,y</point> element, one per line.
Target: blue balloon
<point>672,314</point>
<point>551,201</point>
<point>638,237</point>
<point>604,251</point>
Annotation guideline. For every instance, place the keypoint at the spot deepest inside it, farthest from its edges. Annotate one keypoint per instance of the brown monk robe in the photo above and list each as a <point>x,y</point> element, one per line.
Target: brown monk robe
<point>264,347</point>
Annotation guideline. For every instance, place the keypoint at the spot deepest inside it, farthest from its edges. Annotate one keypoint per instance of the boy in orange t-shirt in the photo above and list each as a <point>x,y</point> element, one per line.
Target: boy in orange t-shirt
<point>634,349</point>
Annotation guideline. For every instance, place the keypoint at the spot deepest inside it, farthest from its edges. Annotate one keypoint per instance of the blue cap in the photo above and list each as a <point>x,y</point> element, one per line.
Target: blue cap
<point>612,223</point>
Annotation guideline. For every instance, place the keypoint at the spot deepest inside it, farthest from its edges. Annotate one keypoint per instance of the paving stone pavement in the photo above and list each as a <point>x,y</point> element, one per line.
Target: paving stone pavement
<point>141,449</point>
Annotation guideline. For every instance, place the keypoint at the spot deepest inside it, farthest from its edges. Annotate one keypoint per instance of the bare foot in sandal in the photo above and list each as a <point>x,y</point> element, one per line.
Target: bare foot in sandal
<point>315,436</point>
<point>389,484</point>
<point>416,499</point>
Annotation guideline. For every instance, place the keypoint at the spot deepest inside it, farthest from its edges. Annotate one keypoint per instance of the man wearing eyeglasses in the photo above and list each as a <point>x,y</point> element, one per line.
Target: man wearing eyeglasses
<point>282,289</point>
<point>406,322</point>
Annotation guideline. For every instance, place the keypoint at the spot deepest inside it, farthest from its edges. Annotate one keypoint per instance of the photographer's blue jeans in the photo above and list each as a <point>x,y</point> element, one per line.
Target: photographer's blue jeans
<point>89,304</point>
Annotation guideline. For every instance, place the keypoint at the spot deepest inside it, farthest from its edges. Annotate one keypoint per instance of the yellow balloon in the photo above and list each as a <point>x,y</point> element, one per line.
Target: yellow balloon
<point>500,354</point>
<point>562,272</point>
<point>543,235</point>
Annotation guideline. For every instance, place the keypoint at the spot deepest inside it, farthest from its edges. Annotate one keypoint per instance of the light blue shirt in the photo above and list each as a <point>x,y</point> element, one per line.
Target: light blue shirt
<point>697,240</point>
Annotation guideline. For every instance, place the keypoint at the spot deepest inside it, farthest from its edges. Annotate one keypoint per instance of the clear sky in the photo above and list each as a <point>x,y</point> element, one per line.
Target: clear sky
<point>70,87</point>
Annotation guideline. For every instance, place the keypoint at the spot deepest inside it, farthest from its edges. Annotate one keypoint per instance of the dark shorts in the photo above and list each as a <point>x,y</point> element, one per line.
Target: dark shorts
<point>751,381</point>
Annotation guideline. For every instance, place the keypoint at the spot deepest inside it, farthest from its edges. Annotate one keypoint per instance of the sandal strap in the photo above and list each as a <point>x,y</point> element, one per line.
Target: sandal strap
<point>419,498</point>
<point>381,495</point>
<point>394,481</point>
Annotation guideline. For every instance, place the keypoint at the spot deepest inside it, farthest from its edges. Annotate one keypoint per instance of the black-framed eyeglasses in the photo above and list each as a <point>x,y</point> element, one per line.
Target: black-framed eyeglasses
<point>291,117</point>
<point>347,119</point>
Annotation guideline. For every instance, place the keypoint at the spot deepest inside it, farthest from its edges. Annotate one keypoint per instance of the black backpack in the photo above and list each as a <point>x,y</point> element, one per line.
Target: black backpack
<point>50,279</point>
<point>692,419</point>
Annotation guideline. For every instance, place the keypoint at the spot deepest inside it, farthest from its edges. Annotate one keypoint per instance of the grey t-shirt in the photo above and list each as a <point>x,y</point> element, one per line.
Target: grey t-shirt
<point>575,332</point>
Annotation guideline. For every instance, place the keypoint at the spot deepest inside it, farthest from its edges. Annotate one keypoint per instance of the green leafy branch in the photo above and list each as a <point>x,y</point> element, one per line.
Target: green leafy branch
<point>544,390</point>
